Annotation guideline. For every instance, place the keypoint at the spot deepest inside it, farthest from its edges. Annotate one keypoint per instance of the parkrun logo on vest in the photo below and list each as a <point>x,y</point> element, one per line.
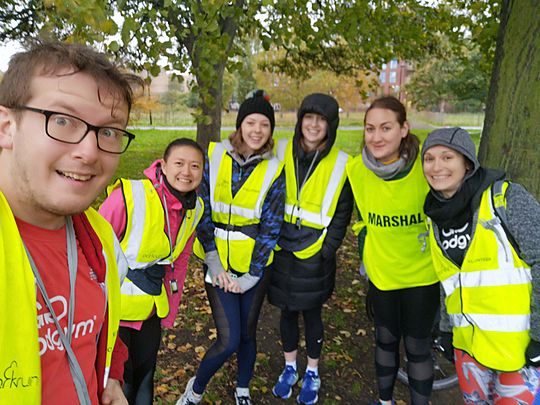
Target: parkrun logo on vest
<point>51,339</point>
<point>387,221</point>
<point>10,378</point>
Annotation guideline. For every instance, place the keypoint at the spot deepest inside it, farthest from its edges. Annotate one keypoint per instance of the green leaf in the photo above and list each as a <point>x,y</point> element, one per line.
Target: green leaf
<point>109,27</point>
<point>113,46</point>
<point>154,70</point>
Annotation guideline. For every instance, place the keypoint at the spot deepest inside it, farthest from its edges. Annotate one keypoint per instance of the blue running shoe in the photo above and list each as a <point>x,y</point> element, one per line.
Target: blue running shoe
<point>283,387</point>
<point>309,394</point>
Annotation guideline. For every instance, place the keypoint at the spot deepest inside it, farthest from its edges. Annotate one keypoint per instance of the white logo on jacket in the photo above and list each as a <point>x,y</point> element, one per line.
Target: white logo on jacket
<point>454,238</point>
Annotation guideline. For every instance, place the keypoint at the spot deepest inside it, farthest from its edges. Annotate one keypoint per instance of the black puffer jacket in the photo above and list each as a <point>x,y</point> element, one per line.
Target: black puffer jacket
<point>300,284</point>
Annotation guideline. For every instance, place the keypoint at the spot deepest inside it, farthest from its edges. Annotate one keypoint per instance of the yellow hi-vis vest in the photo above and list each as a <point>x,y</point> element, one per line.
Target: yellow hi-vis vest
<point>316,205</point>
<point>489,297</point>
<point>20,364</point>
<point>395,252</point>
<point>230,214</point>
<point>145,243</point>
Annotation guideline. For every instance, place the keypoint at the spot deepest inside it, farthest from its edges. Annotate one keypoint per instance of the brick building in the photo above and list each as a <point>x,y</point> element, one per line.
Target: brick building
<point>393,76</point>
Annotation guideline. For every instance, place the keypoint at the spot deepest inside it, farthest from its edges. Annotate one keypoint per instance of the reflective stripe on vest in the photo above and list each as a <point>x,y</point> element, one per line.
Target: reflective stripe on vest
<point>187,228</point>
<point>137,212</point>
<point>395,255</point>
<point>146,243</point>
<point>489,297</point>
<point>485,278</point>
<point>235,247</point>
<point>493,323</point>
<point>19,354</point>
<point>281,147</point>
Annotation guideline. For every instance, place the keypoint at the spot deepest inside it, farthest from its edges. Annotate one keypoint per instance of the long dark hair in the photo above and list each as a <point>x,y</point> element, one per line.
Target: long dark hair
<point>410,145</point>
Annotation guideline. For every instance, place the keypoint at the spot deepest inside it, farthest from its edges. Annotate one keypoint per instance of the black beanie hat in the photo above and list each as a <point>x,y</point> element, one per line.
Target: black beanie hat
<point>257,102</point>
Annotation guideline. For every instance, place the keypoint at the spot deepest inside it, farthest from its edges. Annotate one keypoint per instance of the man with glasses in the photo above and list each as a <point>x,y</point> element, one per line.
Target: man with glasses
<point>70,129</point>
<point>63,113</point>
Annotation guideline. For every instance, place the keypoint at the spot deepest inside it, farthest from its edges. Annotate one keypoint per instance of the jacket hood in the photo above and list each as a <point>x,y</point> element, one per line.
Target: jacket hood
<point>324,105</point>
<point>153,172</point>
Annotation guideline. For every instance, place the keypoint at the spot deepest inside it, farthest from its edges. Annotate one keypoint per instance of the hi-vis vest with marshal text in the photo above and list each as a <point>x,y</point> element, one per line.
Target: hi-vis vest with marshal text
<point>317,202</point>
<point>145,242</point>
<point>395,252</point>
<point>20,364</point>
<point>236,218</point>
<point>489,297</point>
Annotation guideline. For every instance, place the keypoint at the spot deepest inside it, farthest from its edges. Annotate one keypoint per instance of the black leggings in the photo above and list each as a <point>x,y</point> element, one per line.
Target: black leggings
<point>140,367</point>
<point>408,312</point>
<point>314,332</point>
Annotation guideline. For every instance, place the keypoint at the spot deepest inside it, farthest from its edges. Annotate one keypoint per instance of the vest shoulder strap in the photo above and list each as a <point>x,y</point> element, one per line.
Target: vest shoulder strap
<point>281,148</point>
<point>498,199</point>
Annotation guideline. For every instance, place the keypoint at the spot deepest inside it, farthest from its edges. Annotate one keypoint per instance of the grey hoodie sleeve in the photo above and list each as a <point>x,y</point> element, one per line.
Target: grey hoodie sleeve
<point>523,213</point>
<point>445,324</point>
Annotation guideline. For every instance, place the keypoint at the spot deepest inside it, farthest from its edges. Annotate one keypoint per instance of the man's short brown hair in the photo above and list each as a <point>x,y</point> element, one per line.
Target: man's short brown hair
<point>47,58</point>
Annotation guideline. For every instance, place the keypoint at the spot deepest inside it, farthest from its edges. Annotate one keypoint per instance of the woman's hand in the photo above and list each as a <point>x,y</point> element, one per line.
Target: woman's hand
<point>235,287</point>
<point>222,280</point>
<point>215,270</point>
<point>246,282</point>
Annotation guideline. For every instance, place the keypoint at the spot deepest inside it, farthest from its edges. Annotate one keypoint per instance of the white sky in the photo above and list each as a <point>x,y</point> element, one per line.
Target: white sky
<point>6,50</point>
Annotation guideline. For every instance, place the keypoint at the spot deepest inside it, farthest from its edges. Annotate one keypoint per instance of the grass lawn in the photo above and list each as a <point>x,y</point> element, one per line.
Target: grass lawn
<point>288,118</point>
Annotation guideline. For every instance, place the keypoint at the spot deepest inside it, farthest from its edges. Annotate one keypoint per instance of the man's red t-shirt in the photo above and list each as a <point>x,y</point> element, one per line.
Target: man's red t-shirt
<point>49,251</point>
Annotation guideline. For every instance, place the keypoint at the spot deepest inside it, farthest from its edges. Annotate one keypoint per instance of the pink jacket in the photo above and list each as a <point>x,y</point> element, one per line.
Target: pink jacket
<point>113,209</point>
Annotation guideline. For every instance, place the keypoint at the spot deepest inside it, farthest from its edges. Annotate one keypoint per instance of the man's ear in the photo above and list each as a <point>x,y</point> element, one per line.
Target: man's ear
<point>8,126</point>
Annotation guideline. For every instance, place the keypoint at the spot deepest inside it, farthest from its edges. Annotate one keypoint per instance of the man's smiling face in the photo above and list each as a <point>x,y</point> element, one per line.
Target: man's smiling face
<point>48,179</point>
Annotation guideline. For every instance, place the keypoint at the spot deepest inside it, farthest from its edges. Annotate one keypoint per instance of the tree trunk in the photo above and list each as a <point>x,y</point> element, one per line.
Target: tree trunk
<point>511,135</point>
<point>207,133</point>
<point>203,58</point>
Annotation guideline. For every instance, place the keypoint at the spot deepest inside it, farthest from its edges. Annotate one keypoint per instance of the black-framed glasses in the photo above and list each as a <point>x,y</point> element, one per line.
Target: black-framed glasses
<point>67,128</point>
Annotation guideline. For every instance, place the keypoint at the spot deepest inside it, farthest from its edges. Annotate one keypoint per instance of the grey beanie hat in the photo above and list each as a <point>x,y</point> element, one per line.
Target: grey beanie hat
<point>454,138</point>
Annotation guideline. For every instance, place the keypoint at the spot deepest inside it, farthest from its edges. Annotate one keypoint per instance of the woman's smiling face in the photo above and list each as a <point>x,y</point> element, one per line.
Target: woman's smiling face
<point>256,130</point>
<point>445,169</point>
<point>183,168</point>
